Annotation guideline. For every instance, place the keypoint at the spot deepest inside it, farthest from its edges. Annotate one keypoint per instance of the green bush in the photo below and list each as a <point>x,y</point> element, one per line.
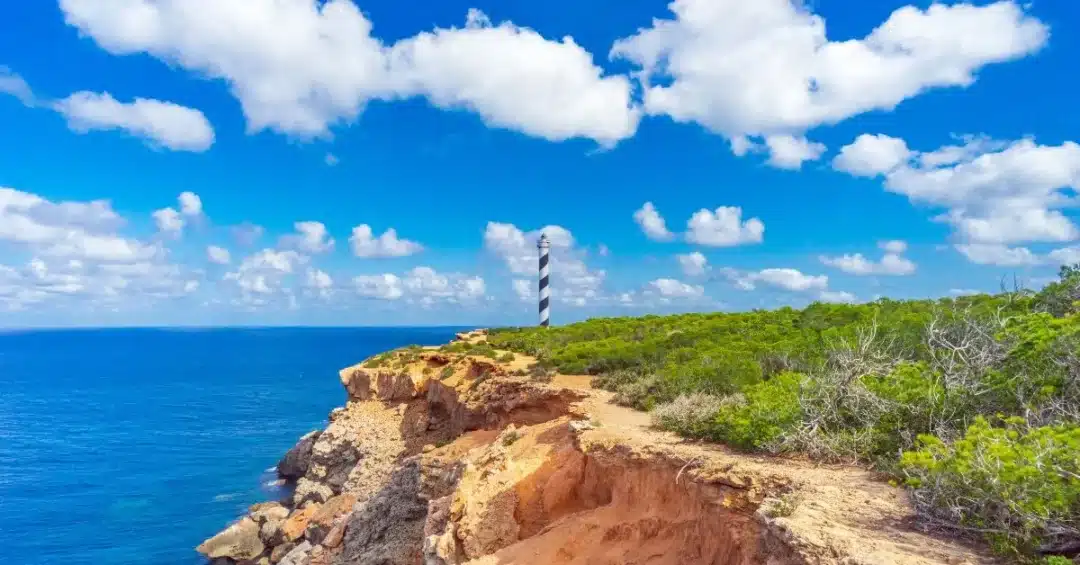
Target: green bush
<point>767,411</point>
<point>1018,485</point>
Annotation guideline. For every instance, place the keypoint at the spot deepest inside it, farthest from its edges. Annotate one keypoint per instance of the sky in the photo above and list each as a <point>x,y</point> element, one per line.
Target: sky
<point>369,162</point>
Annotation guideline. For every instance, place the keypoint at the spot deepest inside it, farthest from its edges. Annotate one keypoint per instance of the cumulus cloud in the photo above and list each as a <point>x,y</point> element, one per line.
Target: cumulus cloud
<point>790,152</point>
<point>310,237</point>
<point>74,230</point>
<point>422,285</point>
<point>190,204</point>
<point>512,77</point>
<point>383,287</point>
<point>264,272</point>
<point>995,194</point>
<point>366,245</point>
<point>767,67</point>
<point>892,263</point>
<point>218,255</point>
<point>319,283</point>
<point>999,255</point>
<point>693,264</point>
<point>168,221</point>
<point>524,289</point>
<point>782,278</point>
<point>652,223</point>
<point>160,124</point>
<point>671,288</point>
<point>724,227</point>
<point>872,155</point>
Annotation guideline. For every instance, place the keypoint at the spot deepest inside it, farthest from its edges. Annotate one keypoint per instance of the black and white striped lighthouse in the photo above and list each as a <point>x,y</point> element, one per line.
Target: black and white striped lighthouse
<point>545,293</point>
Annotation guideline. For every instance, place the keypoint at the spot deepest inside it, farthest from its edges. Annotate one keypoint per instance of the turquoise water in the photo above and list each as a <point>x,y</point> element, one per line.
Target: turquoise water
<point>132,446</point>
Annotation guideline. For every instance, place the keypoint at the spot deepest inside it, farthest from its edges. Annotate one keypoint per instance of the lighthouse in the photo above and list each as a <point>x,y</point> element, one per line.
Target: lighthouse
<point>545,293</point>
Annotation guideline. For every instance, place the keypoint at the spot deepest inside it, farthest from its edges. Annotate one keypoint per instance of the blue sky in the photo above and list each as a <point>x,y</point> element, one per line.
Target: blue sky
<point>687,156</point>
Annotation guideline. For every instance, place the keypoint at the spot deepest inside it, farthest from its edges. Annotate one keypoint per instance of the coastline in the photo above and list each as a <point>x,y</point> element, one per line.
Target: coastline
<point>443,457</point>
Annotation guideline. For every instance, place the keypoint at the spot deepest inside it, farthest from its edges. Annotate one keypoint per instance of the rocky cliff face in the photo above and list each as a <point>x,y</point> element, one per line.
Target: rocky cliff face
<point>444,459</point>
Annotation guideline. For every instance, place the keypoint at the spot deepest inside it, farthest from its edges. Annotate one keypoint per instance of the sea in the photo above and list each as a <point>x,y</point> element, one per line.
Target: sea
<point>132,446</point>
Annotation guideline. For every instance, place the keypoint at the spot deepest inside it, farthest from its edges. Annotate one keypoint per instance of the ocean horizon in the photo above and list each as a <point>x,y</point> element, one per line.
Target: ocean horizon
<point>126,446</point>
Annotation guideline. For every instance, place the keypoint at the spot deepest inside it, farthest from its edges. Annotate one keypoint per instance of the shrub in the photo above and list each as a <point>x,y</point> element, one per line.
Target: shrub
<point>507,357</point>
<point>690,415</point>
<point>1017,485</point>
<point>446,372</point>
<point>770,409</point>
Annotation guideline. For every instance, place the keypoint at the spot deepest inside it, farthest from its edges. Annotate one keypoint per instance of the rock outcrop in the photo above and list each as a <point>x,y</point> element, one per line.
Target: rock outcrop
<point>442,458</point>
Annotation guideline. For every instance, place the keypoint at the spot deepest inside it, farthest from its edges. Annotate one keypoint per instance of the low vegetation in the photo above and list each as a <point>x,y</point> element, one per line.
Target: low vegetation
<point>973,402</point>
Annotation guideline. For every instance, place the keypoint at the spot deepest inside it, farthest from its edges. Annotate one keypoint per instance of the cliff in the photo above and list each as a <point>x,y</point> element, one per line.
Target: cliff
<point>443,458</point>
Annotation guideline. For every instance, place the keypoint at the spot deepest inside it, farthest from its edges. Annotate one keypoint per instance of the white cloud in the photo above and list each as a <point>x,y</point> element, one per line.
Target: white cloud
<point>994,193</point>
<point>782,278</point>
<point>13,84</point>
<point>299,67</point>
<point>422,285</point>
<point>693,264</point>
<point>524,289</point>
<point>1065,255</point>
<point>837,297</point>
<point>365,244</point>
<point>218,255</point>
<point>168,220</point>
<point>999,255</point>
<point>790,152</point>
<point>74,230</point>
<point>264,273</point>
<point>161,124</point>
<point>319,282</point>
<point>311,237</point>
<point>767,67</point>
<point>872,155</point>
<point>671,288</point>
<point>382,287</point>
<point>190,204</point>
<point>724,228</point>
<point>516,79</point>
<point>894,246</point>
<point>652,223</point>
<point>892,263</point>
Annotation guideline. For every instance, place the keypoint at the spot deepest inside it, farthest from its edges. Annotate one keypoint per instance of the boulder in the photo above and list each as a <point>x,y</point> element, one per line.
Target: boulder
<point>281,551</point>
<point>293,528</point>
<point>298,555</point>
<point>323,520</point>
<point>268,511</point>
<point>238,542</point>
<point>335,535</point>
<point>295,463</point>
<point>270,532</point>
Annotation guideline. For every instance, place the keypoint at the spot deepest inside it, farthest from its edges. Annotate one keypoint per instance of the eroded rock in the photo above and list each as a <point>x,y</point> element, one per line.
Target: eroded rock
<point>238,542</point>
<point>295,463</point>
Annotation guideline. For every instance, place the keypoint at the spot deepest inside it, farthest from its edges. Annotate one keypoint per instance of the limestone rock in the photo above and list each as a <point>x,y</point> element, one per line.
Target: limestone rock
<point>298,555</point>
<point>268,511</point>
<point>295,463</point>
<point>270,532</point>
<point>281,551</point>
<point>293,528</point>
<point>388,528</point>
<point>336,535</point>
<point>324,518</point>
<point>238,542</point>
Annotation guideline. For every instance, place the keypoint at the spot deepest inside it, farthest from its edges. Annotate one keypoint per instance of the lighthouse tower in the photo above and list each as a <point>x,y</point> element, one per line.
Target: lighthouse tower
<point>545,293</point>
